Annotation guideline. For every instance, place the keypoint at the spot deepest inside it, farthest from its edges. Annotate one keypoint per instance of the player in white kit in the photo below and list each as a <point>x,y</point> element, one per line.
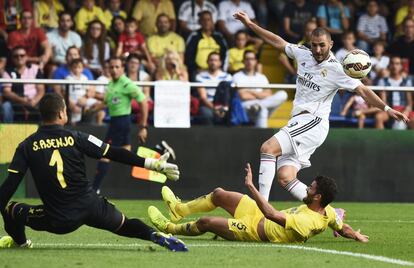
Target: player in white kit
<point>319,76</point>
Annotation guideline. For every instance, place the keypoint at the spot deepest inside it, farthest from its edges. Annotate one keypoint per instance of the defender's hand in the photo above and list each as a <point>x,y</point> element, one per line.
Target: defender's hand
<point>142,135</point>
<point>242,17</point>
<point>161,165</point>
<point>248,180</point>
<point>397,115</point>
<point>361,237</point>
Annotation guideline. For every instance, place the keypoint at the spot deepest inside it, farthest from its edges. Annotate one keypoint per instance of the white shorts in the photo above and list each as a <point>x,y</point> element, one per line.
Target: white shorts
<point>299,139</point>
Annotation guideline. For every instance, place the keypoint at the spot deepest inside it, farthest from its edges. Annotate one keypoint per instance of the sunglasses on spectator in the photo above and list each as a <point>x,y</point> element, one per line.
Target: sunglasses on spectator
<point>19,55</point>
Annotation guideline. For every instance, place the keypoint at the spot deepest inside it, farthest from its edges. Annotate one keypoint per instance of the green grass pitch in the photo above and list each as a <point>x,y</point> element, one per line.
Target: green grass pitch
<point>390,227</point>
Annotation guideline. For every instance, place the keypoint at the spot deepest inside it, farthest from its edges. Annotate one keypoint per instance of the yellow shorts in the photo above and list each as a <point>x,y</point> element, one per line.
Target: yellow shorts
<point>246,218</point>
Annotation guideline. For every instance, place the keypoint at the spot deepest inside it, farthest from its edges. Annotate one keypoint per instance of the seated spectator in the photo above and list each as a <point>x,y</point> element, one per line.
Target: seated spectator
<point>164,40</point>
<point>401,101</point>
<point>171,68</point>
<point>360,109</point>
<point>335,17</point>
<point>117,28</point>
<point>114,10</point>
<point>208,112</point>
<point>296,15</point>
<point>188,14</point>
<point>147,11</point>
<point>105,78</point>
<point>132,41</point>
<point>404,12</point>
<point>95,50</point>
<point>82,97</point>
<point>290,64</point>
<point>20,100</point>
<point>348,41</point>
<point>46,14</point>
<point>226,22</point>
<point>258,102</point>
<point>243,42</point>
<point>63,70</point>
<point>32,39</point>
<point>90,12</point>
<point>379,62</point>
<point>201,43</point>
<point>62,38</point>
<point>4,53</point>
<point>404,46</point>
<point>10,12</point>
<point>371,27</point>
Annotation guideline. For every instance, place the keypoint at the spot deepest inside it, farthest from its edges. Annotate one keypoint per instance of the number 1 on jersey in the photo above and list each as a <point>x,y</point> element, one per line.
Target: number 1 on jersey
<point>56,159</point>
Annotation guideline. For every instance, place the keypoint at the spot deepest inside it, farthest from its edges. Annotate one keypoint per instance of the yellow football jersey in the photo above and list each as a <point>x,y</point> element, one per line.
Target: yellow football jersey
<point>301,224</point>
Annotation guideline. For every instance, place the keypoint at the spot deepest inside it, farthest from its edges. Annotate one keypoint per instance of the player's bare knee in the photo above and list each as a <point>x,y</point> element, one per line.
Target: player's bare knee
<point>218,195</point>
<point>284,177</point>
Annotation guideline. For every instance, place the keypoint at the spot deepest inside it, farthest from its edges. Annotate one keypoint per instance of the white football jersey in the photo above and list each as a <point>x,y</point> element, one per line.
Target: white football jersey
<point>317,83</point>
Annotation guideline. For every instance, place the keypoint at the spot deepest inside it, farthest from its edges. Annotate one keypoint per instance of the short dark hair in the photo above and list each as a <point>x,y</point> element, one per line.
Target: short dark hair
<point>50,106</point>
<point>162,15</point>
<point>322,31</point>
<point>75,62</point>
<point>241,32</point>
<point>63,13</point>
<point>201,13</point>
<point>347,33</point>
<point>14,49</point>
<point>214,53</point>
<point>131,20</point>
<point>327,188</point>
<point>248,51</point>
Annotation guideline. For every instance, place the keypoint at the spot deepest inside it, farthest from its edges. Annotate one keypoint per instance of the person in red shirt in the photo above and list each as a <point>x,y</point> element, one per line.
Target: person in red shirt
<point>32,39</point>
<point>132,41</point>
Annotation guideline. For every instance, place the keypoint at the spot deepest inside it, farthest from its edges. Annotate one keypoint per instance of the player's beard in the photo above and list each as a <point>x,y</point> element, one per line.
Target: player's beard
<point>308,199</point>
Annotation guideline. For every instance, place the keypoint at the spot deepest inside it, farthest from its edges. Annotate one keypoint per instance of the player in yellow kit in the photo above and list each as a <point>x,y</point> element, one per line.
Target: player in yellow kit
<point>256,220</point>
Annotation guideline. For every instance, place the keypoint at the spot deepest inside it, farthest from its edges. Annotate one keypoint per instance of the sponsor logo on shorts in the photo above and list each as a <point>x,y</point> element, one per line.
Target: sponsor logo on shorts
<point>292,124</point>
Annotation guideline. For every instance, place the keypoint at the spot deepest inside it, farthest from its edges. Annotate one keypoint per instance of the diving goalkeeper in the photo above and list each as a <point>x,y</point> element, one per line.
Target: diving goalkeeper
<point>256,220</point>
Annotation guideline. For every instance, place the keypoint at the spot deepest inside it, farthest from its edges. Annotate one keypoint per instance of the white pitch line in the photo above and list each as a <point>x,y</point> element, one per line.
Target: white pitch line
<point>235,244</point>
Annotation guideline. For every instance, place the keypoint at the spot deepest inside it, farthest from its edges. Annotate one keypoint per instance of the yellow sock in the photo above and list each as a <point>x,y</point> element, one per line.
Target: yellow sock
<point>189,228</point>
<point>202,204</point>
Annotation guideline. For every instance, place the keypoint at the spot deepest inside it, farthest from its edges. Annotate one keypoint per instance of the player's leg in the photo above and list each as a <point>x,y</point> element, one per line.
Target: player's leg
<point>287,178</point>
<point>269,151</point>
<point>380,119</point>
<point>15,217</point>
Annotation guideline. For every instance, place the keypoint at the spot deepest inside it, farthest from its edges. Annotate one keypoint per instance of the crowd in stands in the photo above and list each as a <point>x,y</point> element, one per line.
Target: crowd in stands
<point>199,41</point>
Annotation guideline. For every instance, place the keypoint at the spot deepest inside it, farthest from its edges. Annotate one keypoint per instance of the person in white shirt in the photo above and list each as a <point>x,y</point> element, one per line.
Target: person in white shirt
<point>259,102</point>
<point>379,61</point>
<point>226,23</point>
<point>320,76</point>
<point>348,40</point>
<point>188,14</point>
<point>208,112</point>
<point>62,38</point>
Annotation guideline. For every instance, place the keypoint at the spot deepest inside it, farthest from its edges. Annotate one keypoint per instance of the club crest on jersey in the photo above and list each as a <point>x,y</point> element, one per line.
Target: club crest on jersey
<point>303,64</point>
<point>324,72</point>
<point>115,100</point>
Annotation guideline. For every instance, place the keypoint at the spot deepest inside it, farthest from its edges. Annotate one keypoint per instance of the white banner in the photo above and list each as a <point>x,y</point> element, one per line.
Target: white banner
<point>172,104</point>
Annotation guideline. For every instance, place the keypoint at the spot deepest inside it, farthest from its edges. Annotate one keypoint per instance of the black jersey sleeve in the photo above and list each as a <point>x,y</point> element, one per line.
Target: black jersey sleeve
<point>91,145</point>
<point>19,163</point>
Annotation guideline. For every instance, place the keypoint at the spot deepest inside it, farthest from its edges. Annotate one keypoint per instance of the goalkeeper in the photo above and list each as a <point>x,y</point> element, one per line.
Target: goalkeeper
<point>55,157</point>
<point>256,221</point>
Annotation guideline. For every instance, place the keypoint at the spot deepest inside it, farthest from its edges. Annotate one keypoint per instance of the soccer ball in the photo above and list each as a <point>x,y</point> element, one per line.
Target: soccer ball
<point>357,64</point>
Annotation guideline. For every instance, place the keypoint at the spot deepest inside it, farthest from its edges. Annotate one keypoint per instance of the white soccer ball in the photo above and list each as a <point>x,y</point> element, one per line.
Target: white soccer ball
<point>357,64</point>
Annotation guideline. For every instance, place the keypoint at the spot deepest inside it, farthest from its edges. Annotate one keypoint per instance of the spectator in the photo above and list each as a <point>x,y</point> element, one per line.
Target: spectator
<point>46,13</point>
<point>201,43</point>
<point>62,38</point>
<point>147,11</point>
<point>406,11</point>
<point>361,109</point>
<point>96,48</point>
<point>335,17</point>
<point>9,14</point>
<point>242,40</point>
<point>117,28</point>
<point>88,13</point>
<point>290,64</point>
<point>401,101</point>
<point>296,14</point>
<point>188,14</point>
<point>32,39</point>
<point>404,46</point>
<point>82,97</point>
<point>132,41</point>
<point>226,22</point>
<point>371,27</point>
<point>3,55</point>
<point>379,62</point>
<point>114,10</point>
<point>348,41</point>
<point>165,40</point>
<point>208,112</point>
<point>63,70</point>
<point>20,100</point>
<point>104,78</point>
<point>171,68</point>
<point>258,102</point>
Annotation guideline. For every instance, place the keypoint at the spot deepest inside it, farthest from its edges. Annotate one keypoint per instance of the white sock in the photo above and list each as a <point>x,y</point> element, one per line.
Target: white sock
<point>297,188</point>
<point>266,174</point>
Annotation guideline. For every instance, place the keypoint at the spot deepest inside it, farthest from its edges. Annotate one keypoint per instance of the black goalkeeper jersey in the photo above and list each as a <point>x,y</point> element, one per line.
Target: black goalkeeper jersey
<point>56,159</point>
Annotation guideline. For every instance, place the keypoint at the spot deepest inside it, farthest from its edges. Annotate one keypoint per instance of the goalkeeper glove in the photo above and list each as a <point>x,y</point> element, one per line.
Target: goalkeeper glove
<point>161,165</point>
